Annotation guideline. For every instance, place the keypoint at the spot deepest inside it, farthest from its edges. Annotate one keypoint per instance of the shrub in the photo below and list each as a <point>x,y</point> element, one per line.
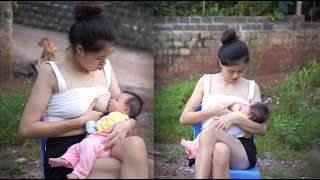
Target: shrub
<point>295,118</point>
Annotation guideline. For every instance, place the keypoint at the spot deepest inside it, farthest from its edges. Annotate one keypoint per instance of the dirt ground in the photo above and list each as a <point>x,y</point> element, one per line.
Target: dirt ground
<point>181,170</point>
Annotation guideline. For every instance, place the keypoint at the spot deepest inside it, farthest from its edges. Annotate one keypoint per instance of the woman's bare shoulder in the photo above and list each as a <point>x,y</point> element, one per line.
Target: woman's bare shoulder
<point>46,77</point>
<point>45,71</point>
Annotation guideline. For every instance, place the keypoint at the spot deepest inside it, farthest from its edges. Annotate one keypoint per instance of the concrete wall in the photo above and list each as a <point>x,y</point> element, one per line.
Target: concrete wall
<point>133,20</point>
<point>188,46</point>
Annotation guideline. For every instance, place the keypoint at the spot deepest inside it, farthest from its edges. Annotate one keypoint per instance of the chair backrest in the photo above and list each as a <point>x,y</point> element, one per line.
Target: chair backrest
<point>42,152</point>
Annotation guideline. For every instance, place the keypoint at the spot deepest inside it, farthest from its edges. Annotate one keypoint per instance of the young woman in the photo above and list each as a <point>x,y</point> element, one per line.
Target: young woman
<point>69,92</point>
<point>219,151</point>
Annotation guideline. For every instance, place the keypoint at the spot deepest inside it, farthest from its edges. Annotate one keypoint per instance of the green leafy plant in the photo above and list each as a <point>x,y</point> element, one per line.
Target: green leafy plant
<point>294,122</point>
<point>274,10</point>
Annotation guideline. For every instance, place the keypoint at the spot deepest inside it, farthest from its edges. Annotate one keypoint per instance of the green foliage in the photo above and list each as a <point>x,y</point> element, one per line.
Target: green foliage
<point>14,4</point>
<point>12,101</point>
<point>168,104</point>
<point>295,119</point>
<point>186,8</point>
<point>275,10</point>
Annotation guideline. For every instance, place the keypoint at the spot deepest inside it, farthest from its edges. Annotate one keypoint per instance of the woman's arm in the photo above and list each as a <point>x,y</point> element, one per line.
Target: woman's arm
<point>43,88</point>
<point>251,126</point>
<point>225,122</point>
<point>189,116</point>
<point>114,86</point>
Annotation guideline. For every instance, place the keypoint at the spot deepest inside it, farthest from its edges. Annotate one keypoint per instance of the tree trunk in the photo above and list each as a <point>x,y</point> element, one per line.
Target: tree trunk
<point>6,40</point>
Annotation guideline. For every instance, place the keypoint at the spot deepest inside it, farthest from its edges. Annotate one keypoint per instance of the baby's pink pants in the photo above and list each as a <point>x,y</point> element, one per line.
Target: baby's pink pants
<point>83,155</point>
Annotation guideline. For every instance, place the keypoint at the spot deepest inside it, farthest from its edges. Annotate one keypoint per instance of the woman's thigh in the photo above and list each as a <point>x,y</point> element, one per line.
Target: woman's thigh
<point>238,155</point>
<point>105,168</point>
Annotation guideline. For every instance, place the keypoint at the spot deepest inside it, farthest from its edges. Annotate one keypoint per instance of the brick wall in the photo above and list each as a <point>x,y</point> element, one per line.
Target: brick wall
<point>187,46</point>
<point>133,20</point>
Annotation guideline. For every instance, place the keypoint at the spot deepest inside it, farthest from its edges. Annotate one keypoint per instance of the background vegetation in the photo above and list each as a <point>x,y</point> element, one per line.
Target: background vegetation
<point>13,101</point>
<point>275,10</point>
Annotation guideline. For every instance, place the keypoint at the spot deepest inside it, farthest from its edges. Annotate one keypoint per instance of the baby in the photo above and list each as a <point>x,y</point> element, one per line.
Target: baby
<point>257,112</point>
<point>81,156</point>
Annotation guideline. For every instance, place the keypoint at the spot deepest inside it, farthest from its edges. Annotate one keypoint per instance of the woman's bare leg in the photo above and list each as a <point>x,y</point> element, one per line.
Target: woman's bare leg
<point>220,161</point>
<point>105,168</point>
<point>209,137</point>
<point>132,152</point>
<point>204,156</point>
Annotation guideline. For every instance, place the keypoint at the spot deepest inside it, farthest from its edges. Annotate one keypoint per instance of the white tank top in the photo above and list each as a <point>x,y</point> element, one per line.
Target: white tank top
<point>71,103</point>
<point>210,100</point>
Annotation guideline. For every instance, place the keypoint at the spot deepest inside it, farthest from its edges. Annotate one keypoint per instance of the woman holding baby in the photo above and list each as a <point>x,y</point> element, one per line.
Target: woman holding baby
<point>218,151</point>
<point>68,93</point>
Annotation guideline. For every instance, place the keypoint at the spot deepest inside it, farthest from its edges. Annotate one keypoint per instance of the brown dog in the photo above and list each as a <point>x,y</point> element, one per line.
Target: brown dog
<point>48,51</point>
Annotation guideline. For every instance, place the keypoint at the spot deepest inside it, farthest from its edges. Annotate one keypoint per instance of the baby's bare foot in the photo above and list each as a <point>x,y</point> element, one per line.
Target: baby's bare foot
<point>72,176</point>
<point>57,162</point>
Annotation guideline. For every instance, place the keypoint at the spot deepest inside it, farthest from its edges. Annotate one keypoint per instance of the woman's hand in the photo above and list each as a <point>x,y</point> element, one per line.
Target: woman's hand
<point>224,122</point>
<point>91,114</point>
<point>117,133</point>
<point>219,110</point>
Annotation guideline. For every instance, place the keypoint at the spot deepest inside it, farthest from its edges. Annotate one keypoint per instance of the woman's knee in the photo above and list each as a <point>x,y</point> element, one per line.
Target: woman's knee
<point>134,145</point>
<point>207,135</point>
<point>135,142</point>
<point>221,154</point>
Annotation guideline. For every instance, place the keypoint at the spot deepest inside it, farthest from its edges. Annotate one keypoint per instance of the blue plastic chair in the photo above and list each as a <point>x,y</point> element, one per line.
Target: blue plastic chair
<point>42,152</point>
<point>252,173</point>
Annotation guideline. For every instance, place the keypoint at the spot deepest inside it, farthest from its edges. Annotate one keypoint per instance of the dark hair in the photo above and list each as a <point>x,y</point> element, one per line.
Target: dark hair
<point>91,29</point>
<point>134,103</point>
<point>233,51</point>
<point>260,112</point>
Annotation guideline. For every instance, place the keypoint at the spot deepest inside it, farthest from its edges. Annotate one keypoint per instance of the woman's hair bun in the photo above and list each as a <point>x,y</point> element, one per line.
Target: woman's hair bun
<point>86,10</point>
<point>229,36</point>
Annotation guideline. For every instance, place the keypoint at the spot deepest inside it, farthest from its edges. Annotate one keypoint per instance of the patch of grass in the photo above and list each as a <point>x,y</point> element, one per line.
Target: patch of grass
<point>30,149</point>
<point>9,153</point>
<point>12,101</point>
<point>170,153</point>
<point>169,104</point>
<point>282,173</point>
<point>8,163</point>
<point>265,149</point>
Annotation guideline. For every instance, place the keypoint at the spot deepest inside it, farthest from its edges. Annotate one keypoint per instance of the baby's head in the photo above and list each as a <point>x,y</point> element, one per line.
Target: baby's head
<point>256,111</point>
<point>126,102</point>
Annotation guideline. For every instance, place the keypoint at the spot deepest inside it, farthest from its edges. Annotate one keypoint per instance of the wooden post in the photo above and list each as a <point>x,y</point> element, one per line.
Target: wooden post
<point>6,40</point>
<point>298,9</point>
